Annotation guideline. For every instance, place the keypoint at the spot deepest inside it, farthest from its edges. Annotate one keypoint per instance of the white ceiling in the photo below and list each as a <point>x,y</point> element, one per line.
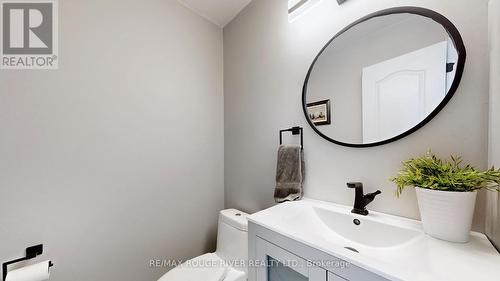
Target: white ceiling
<point>220,12</point>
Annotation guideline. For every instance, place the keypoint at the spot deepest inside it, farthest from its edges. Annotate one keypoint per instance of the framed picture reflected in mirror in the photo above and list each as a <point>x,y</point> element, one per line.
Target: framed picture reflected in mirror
<point>319,112</point>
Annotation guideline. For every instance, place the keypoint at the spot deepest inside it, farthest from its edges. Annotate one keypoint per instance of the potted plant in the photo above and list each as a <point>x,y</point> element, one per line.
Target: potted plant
<point>446,193</point>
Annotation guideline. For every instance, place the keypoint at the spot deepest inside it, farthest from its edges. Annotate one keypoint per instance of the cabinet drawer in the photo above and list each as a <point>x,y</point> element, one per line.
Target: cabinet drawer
<point>281,265</point>
<point>333,277</point>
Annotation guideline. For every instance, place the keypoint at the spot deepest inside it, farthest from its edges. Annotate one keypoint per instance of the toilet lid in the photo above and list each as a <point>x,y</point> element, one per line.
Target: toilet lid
<point>208,267</point>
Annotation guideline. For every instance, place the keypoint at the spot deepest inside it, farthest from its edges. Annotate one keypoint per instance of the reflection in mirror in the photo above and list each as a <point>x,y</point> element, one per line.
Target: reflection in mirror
<point>381,78</point>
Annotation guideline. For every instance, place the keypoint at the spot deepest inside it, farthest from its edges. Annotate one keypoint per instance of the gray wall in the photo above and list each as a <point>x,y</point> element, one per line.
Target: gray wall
<point>493,198</point>
<point>266,60</point>
<point>117,157</point>
<point>337,75</point>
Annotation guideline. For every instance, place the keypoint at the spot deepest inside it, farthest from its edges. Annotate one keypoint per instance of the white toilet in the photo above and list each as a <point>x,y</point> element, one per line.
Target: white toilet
<point>228,263</point>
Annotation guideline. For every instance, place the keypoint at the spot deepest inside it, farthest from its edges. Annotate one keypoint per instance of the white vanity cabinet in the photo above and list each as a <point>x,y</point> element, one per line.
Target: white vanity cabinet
<point>274,257</point>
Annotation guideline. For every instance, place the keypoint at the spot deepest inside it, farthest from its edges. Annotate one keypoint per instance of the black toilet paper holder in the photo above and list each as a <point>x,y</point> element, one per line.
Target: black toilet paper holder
<point>31,253</point>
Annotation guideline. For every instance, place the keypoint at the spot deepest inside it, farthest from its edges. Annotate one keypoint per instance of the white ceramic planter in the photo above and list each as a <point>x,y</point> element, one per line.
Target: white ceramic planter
<point>447,215</point>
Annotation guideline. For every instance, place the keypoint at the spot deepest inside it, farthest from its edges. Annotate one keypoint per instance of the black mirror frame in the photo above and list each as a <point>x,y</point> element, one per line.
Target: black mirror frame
<point>437,17</point>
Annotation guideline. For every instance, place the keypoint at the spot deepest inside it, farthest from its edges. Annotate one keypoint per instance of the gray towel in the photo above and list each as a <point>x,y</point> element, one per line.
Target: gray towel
<point>290,173</point>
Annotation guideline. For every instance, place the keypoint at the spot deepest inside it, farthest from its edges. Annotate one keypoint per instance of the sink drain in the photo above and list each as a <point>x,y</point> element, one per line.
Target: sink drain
<point>352,249</point>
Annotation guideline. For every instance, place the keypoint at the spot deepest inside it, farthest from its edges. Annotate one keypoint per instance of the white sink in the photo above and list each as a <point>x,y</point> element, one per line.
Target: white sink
<point>393,247</point>
<point>333,225</point>
<point>366,231</point>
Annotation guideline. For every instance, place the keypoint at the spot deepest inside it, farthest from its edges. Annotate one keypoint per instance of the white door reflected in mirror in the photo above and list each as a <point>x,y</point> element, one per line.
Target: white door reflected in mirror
<point>403,91</point>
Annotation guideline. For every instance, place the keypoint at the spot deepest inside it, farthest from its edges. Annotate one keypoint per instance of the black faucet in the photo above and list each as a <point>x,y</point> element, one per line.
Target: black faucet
<point>361,200</point>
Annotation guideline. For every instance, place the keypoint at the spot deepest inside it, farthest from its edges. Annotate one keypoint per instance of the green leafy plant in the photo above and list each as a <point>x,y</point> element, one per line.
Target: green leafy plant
<point>430,172</point>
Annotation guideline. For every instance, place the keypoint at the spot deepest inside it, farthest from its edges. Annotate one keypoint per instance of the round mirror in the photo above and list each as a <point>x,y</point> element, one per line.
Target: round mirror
<point>383,77</point>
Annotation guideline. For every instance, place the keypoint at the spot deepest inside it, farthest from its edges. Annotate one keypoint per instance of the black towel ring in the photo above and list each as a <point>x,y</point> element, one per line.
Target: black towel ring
<point>295,131</point>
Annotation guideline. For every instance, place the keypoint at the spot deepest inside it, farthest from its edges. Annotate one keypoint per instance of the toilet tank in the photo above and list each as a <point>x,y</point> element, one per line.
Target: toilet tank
<point>232,238</point>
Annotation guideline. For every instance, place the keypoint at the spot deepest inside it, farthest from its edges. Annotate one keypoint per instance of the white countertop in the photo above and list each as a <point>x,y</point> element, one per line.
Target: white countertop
<point>423,258</point>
